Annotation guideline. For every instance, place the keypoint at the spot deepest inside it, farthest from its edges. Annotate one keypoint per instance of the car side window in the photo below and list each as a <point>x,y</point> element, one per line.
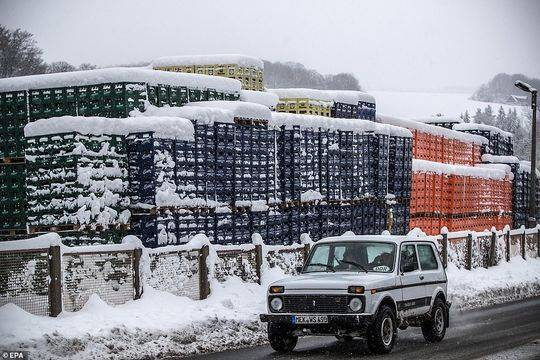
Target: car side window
<point>409,261</point>
<point>428,261</point>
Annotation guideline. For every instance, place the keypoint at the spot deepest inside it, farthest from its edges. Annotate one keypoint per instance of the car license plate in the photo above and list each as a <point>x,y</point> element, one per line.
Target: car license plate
<point>310,319</point>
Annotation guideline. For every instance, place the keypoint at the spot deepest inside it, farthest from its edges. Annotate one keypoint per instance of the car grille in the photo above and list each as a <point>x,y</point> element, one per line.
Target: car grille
<point>322,304</point>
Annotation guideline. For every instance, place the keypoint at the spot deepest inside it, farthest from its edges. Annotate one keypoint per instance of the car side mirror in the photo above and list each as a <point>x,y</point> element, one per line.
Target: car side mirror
<point>299,269</point>
<point>407,267</point>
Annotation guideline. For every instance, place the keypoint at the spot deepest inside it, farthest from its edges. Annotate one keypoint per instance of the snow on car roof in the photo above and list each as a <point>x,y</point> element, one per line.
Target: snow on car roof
<point>397,239</point>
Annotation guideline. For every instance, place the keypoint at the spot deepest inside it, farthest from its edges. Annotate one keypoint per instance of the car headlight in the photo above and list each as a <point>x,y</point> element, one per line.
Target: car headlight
<point>276,304</point>
<point>355,304</point>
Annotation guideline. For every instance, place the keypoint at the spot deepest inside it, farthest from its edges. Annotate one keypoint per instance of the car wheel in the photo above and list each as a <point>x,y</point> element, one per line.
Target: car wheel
<point>281,339</point>
<point>382,334</point>
<point>434,329</point>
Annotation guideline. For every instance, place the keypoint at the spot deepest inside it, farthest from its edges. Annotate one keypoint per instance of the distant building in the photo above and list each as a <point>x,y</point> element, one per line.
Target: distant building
<point>517,99</point>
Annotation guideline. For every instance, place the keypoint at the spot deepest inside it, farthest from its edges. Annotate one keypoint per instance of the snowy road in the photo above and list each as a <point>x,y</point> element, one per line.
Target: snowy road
<point>501,332</point>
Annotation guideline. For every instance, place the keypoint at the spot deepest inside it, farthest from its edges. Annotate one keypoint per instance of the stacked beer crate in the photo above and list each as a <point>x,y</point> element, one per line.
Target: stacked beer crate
<point>521,193</point>
<point>105,92</point>
<point>222,182</point>
<point>450,186</point>
<point>346,104</point>
<point>334,175</point>
<point>499,141</point>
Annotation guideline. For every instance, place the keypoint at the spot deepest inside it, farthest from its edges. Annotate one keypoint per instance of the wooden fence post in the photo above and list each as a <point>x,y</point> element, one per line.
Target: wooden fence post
<point>493,250</point>
<point>445,249</point>
<point>137,273</point>
<point>204,286</point>
<point>523,244</point>
<point>307,248</point>
<point>55,284</point>
<point>468,264</point>
<point>507,240</point>
<point>258,262</point>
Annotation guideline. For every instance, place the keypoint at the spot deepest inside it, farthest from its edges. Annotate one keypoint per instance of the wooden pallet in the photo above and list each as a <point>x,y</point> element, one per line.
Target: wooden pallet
<point>12,160</point>
<point>12,232</point>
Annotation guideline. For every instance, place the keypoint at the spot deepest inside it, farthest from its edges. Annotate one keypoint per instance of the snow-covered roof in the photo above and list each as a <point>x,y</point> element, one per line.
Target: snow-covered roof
<point>432,129</point>
<point>439,119</point>
<point>259,97</point>
<point>498,159</point>
<point>216,59</point>
<point>397,239</point>
<point>203,115</point>
<point>484,171</point>
<point>315,122</point>
<point>343,96</point>
<point>481,127</point>
<point>240,109</point>
<point>164,127</point>
<point>112,75</point>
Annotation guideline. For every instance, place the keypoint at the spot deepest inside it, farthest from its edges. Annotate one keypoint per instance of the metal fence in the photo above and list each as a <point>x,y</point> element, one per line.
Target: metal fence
<point>44,282</point>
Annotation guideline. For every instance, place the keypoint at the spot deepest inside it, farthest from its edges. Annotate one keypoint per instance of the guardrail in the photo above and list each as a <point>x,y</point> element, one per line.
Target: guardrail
<point>44,277</point>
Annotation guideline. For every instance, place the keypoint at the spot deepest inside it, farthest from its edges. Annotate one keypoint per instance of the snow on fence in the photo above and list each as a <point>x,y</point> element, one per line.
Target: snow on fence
<point>44,277</point>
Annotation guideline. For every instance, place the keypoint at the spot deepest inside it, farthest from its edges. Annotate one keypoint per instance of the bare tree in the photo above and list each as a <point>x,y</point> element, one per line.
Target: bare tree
<point>60,66</point>
<point>19,54</point>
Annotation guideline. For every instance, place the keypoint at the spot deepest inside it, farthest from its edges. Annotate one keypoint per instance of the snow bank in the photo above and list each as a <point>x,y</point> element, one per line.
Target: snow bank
<point>113,75</point>
<point>505,282</point>
<point>39,242</point>
<point>265,98</point>
<point>165,127</point>
<point>343,96</point>
<point>203,115</point>
<point>315,122</point>
<point>161,323</point>
<point>240,109</point>
<point>481,127</point>
<point>484,171</point>
<point>499,159</point>
<point>432,129</point>
<point>217,59</point>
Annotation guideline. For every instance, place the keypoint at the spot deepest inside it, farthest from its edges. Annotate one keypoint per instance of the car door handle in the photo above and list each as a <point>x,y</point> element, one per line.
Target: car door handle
<point>421,277</point>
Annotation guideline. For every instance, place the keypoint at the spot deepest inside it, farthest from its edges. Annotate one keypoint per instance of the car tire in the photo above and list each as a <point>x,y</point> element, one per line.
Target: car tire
<point>434,328</point>
<point>382,333</point>
<point>281,339</point>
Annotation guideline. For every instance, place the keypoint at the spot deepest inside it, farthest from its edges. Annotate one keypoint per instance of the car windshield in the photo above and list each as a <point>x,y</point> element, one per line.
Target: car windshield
<point>360,256</point>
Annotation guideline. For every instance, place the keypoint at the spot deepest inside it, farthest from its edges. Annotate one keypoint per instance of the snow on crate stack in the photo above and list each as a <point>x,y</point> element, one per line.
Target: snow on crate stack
<point>247,69</point>
<point>344,161</point>
<point>435,143</point>
<point>460,197</point>
<point>77,173</point>
<point>333,103</point>
<point>500,142</point>
<point>265,98</point>
<point>222,183</point>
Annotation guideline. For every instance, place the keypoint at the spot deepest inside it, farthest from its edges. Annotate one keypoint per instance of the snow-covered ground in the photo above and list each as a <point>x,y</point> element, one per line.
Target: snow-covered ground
<point>161,323</point>
<point>421,104</point>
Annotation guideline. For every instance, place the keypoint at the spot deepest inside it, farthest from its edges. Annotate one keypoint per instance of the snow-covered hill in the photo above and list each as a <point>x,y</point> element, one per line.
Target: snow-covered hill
<point>419,104</point>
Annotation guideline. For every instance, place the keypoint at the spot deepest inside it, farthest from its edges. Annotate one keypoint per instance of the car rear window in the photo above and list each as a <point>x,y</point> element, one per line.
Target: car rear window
<point>428,261</point>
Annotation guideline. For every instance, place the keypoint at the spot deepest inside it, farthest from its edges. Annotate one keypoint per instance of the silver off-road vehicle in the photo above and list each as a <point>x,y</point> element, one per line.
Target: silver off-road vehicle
<point>358,286</point>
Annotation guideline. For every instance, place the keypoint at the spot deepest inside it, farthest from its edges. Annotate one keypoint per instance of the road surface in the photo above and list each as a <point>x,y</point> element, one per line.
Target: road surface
<point>510,331</point>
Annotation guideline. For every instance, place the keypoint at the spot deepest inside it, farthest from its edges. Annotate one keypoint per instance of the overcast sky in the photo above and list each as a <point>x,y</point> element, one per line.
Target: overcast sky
<point>398,45</point>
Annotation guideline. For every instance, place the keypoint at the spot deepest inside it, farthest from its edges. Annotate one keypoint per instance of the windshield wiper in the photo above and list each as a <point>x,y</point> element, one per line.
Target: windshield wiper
<point>351,263</point>
<point>325,265</point>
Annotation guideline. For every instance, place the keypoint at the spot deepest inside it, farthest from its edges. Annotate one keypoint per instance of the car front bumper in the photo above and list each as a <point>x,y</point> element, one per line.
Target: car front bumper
<point>334,320</point>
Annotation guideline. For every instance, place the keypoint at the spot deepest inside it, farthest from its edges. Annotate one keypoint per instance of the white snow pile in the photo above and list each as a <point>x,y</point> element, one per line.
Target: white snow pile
<point>343,96</point>
<point>481,127</point>
<point>161,324</point>
<point>326,123</point>
<point>164,127</point>
<point>114,75</point>
<point>434,119</point>
<point>500,159</point>
<point>215,59</point>
<point>240,109</point>
<point>265,98</point>
<point>484,171</point>
<point>38,242</point>
<point>432,129</point>
<point>508,281</point>
<point>203,115</point>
